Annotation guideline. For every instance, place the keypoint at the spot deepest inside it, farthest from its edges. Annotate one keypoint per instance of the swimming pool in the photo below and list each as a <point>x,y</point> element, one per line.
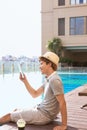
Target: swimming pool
<point>73,80</point>
<point>13,94</point>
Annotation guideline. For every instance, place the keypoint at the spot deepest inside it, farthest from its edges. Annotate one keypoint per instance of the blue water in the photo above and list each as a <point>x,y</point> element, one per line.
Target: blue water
<point>72,81</point>
<point>13,93</point>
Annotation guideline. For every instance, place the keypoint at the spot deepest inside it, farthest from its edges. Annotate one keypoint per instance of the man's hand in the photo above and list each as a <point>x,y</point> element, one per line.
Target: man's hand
<point>22,77</point>
<point>62,127</point>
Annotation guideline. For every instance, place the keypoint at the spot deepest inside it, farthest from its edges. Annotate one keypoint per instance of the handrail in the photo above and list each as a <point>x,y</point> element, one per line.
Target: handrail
<point>29,66</point>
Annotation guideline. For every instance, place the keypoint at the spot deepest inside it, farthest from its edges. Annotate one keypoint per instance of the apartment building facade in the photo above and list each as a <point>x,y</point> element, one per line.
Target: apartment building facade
<point>67,20</point>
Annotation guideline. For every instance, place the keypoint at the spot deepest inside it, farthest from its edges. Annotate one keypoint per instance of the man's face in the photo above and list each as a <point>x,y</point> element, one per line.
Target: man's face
<point>44,67</point>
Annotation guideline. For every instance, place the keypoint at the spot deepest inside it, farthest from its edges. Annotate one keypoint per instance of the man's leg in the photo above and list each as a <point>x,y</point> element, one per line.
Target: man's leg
<point>6,118</point>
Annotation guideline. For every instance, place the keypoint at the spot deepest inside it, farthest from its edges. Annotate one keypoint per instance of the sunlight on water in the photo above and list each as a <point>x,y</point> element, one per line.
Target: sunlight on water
<point>13,93</point>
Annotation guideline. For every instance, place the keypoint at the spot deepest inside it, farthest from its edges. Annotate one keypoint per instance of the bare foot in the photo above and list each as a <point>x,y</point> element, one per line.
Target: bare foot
<point>6,118</point>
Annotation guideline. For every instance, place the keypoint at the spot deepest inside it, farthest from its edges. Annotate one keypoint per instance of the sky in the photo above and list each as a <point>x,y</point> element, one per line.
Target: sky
<point>20,28</point>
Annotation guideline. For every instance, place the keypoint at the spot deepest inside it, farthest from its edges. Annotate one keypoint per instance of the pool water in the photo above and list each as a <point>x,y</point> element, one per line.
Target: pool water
<point>72,81</point>
<point>13,93</point>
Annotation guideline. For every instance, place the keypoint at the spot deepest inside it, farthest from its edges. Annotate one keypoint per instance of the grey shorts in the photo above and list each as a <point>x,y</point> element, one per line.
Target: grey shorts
<point>31,116</point>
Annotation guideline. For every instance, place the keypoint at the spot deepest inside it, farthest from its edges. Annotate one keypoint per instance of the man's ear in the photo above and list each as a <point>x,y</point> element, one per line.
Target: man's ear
<point>50,64</point>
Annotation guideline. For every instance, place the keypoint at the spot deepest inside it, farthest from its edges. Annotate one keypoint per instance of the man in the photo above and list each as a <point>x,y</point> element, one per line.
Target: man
<point>53,102</point>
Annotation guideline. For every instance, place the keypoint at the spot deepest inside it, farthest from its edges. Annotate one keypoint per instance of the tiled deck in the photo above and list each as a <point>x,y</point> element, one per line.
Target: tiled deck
<point>77,117</point>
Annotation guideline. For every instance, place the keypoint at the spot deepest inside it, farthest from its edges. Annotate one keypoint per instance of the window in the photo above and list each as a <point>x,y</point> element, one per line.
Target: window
<point>81,1</point>
<point>61,26</point>
<point>74,2</point>
<point>78,25</point>
<point>61,2</point>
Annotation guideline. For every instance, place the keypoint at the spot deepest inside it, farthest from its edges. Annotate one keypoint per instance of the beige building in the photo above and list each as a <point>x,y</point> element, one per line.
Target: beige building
<point>67,20</point>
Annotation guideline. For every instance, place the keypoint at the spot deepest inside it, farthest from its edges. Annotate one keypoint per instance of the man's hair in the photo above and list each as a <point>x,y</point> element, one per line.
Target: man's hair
<point>54,66</point>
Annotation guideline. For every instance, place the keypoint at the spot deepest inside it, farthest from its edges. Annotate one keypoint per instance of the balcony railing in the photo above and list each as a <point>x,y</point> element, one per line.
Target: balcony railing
<point>9,67</point>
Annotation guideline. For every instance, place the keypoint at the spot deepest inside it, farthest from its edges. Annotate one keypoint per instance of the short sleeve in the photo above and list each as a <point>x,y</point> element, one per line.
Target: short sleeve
<point>57,87</point>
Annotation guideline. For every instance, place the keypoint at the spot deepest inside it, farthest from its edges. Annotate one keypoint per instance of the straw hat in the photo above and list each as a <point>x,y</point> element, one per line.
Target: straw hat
<point>51,57</point>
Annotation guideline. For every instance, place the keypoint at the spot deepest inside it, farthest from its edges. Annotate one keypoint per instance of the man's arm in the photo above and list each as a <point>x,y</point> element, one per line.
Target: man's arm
<point>63,111</point>
<point>34,93</point>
